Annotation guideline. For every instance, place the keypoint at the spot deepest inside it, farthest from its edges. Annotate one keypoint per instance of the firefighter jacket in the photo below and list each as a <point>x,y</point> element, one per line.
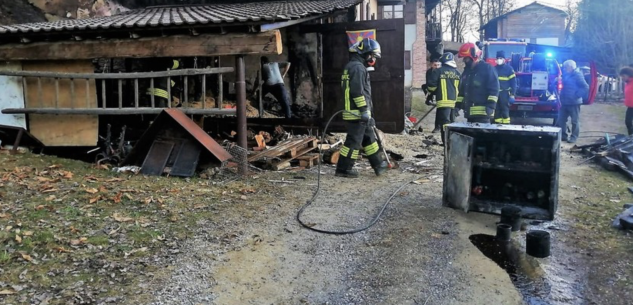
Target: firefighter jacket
<point>507,78</point>
<point>478,90</point>
<point>356,89</point>
<point>444,83</point>
<point>160,89</point>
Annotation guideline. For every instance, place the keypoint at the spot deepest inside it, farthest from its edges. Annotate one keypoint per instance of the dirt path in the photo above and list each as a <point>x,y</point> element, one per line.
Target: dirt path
<point>419,253</point>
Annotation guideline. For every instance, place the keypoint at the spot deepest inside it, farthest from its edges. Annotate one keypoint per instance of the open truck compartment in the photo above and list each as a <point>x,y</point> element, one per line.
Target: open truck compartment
<point>488,167</point>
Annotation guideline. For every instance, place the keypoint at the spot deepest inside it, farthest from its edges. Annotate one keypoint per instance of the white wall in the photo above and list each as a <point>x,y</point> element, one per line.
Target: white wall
<point>409,39</point>
<point>12,96</point>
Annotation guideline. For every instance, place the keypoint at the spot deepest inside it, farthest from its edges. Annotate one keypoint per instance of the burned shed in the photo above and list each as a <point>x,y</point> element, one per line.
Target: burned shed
<point>74,77</point>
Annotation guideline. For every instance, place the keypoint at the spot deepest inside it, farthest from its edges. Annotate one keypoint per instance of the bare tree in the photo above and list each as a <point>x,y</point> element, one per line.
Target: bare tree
<point>457,19</point>
<point>571,8</point>
<point>490,9</point>
<point>604,33</point>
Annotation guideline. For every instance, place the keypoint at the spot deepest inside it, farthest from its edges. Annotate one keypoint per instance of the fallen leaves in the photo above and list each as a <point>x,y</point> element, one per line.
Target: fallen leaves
<point>91,190</point>
<point>6,292</point>
<point>120,218</point>
<point>61,249</point>
<point>77,242</point>
<point>18,239</point>
<point>25,256</point>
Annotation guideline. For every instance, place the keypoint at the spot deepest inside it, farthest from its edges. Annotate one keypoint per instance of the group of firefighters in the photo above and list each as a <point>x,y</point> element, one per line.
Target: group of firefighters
<point>483,92</point>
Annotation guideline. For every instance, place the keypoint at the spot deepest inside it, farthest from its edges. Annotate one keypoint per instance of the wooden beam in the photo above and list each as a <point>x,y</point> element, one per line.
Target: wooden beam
<point>170,46</point>
<point>113,111</point>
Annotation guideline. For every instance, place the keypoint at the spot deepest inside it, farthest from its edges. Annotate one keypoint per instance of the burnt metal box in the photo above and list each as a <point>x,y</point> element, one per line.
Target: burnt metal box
<point>489,166</point>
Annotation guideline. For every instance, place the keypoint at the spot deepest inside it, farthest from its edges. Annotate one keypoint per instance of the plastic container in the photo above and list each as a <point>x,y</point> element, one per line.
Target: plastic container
<point>504,232</point>
<point>537,243</point>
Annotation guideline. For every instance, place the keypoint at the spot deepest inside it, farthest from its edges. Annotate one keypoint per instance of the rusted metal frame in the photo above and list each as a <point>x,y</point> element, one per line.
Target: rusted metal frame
<point>220,87</point>
<point>107,111</point>
<point>18,139</point>
<point>56,92</point>
<point>186,90</point>
<point>204,91</point>
<point>151,85</point>
<point>87,93</point>
<point>170,73</point>
<point>103,93</point>
<point>120,93</point>
<point>72,93</point>
<point>136,93</point>
<point>240,89</point>
<point>168,92</point>
<point>39,92</point>
<point>26,102</point>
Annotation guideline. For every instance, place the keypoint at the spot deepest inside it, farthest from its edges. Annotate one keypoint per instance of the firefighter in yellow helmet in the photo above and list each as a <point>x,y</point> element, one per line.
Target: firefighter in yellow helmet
<point>358,106</point>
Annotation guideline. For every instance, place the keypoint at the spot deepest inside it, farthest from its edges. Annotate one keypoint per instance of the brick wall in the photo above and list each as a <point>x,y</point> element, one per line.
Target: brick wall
<point>419,63</point>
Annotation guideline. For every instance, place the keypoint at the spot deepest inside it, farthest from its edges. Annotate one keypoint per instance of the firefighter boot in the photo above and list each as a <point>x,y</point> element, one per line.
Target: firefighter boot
<point>344,168</point>
<point>378,164</point>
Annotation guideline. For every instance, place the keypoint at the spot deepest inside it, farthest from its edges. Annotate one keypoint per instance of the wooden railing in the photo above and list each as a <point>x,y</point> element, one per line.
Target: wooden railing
<point>120,78</point>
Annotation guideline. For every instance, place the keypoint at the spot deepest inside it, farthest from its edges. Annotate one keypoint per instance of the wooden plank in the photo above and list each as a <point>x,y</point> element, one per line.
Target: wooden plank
<point>112,111</point>
<point>285,147</point>
<point>286,163</point>
<point>117,76</point>
<point>169,46</point>
<point>67,130</point>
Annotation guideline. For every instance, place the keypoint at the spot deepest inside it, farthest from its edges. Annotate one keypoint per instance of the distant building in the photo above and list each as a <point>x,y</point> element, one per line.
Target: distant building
<point>536,22</point>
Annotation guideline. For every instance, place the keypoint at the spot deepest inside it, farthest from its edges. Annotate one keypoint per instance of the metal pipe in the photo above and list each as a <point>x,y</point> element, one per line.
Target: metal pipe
<point>240,90</point>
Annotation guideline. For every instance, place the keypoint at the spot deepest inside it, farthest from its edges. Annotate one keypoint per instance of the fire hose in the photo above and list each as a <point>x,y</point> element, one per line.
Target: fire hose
<point>318,188</point>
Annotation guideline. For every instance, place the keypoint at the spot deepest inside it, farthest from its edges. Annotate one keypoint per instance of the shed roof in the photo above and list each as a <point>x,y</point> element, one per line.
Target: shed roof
<point>191,15</point>
<point>537,3</point>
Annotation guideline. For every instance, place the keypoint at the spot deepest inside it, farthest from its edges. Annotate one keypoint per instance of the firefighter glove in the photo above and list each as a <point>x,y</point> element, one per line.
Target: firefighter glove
<point>371,122</point>
<point>456,111</point>
<point>364,117</point>
<point>512,99</point>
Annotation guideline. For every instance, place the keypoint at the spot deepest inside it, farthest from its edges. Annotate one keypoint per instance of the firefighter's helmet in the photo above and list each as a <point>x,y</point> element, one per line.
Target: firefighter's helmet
<point>446,57</point>
<point>367,46</point>
<point>471,50</point>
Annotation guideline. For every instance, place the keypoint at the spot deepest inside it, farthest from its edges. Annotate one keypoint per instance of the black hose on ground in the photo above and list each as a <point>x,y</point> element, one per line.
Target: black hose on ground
<point>318,188</point>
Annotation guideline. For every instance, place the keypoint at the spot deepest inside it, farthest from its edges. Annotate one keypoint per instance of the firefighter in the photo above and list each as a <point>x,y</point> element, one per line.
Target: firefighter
<point>479,86</point>
<point>160,92</point>
<point>358,106</point>
<point>444,86</point>
<point>507,88</point>
<point>430,73</point>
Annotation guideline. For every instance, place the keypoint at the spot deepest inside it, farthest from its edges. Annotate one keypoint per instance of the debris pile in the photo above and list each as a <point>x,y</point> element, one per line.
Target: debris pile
<point>611,152</point>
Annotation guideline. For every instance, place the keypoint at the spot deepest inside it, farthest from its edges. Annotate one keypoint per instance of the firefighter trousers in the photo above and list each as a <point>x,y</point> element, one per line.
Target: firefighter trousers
<point>358,134</point>
<point>502,113</point>
<point>443,116</point>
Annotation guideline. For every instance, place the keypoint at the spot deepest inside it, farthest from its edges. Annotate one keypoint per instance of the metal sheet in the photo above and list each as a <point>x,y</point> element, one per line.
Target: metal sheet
<point>187,160</point>
<point>199,134</point>
<point>457,171</point>
<point>12,95</point>
<point>156,158</point>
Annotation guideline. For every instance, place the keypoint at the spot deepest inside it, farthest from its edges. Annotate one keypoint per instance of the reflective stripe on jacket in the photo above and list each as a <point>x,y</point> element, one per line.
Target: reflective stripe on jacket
<point>445,84</point>
<point>356,87</point>
<point>507,78</point>
<point>479,90</point>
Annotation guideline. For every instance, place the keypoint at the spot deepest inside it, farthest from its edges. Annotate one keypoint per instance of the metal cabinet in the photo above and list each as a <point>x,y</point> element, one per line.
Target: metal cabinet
<point>489,166</point>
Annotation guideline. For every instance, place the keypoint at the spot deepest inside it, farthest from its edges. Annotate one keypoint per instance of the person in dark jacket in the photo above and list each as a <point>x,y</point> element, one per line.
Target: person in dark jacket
<point>507,88</point>
<point>360,124</point>
<point>444,86</point>
<point>430,74</point>
<point>574,89</point>
<point>479,86</point>
<point>627,76</point>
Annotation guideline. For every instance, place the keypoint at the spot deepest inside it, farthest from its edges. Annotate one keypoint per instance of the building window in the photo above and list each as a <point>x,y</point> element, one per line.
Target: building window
<point>392,11</point>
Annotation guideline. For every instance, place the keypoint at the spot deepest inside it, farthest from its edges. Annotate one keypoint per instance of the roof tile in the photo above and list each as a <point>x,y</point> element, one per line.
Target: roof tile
<point>167,16</point>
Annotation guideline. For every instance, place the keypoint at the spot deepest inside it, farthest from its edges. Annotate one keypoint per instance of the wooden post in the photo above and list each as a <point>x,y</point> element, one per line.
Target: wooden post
<point>240,89</point>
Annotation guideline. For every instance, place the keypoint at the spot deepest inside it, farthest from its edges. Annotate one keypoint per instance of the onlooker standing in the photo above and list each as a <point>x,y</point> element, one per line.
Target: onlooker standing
<point>574,89</point>
<point>627,76</point>
<point>274,83</point>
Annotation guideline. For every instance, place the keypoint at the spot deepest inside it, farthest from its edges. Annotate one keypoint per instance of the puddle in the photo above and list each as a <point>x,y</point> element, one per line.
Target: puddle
<point>524,271</point>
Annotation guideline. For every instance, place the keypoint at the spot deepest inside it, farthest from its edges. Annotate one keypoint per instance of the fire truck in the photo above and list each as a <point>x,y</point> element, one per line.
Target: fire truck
<point>539,79</point>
